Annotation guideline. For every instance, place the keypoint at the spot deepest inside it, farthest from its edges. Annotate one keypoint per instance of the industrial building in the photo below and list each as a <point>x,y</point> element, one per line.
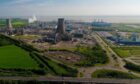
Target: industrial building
<point>100,23</point>
<point>61,26</point>
<point>126,39</point>
<point>9,28</point>
<point>59,34</point>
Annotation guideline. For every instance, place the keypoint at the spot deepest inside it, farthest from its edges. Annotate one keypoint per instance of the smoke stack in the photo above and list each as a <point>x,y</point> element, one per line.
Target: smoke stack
<point>9,26</point>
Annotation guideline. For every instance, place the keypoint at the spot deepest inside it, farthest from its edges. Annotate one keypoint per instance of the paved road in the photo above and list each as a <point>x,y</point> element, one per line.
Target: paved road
<point>110,52</point>
<point>74,80</point>
<point>119,59</point>
<point>114,64</point>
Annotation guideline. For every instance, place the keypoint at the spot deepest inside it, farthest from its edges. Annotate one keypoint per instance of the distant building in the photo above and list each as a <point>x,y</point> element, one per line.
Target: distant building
<point>61,30</point>
<point>69,28</point>
<point>60,34</point>
<point>32,20</point>
<point>124,40</point>
<point>100,24</point>
<point>52,38</point>
<point>79,33</point>
<point>134,37</point>
<point>9,27</point>
<point>19,31</point>
<point>61,26</point>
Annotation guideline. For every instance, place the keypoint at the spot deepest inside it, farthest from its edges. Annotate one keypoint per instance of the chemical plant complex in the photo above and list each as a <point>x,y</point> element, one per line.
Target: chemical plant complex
<point>68,48</point>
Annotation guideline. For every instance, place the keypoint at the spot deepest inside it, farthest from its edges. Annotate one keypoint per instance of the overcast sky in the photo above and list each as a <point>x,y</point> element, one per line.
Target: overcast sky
<point>69,7</point>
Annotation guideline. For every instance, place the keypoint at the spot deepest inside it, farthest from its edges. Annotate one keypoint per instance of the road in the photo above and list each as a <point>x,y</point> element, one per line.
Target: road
<point>114,64</point>
<point>73,80</point>
<point>119,62</point>
<point>119,59</point>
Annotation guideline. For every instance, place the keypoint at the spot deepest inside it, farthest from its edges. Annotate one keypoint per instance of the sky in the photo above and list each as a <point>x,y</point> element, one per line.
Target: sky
<point>69,7</point>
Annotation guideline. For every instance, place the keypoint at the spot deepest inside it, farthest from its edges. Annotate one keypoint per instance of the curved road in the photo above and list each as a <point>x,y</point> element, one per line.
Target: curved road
<point>114,64</point>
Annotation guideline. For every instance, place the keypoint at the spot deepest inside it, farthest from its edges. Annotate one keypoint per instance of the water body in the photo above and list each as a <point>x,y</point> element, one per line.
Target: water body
<point>112,19</point>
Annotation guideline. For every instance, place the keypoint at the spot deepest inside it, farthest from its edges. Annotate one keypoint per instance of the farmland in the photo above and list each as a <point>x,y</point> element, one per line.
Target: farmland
<point>95,53</point>
<point>127,51</point>
<point>20,59</point>
<point>68,57</point>
<point>123,52</point>
<point>80,55</point>
<point>127,27</point>
<point>15,22</point>
<point>12,56</point>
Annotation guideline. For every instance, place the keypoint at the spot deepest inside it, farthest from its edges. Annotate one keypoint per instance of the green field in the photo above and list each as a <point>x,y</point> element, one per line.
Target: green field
<point>119,26</point>
<point>12,56</point>
<point>57,68</point>
<point>20,59</point>
<point>15,22</point>
<point>124,27</point>
<point>112,74</point>
<point>60,69</point>
<point>93,56</point>
<point>127,51</point>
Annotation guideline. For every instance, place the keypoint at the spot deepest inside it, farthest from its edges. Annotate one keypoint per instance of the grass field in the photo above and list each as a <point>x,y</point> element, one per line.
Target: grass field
<point>12,56</point>
<point>121,27</point>
<point>122,53</point>
<point>19,23</point>
<point>57,68</point>
<point>127,51</point>
<point>112,74</point>
<point>20,59</point>
<point>125,27</point>
<point>93,56</point>
<point>15,22</point>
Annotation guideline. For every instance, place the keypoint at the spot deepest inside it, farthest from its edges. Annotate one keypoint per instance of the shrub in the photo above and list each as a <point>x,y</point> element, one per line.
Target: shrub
<point>112,74</point>
<point>93,55</point>
<point>132,66</point>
